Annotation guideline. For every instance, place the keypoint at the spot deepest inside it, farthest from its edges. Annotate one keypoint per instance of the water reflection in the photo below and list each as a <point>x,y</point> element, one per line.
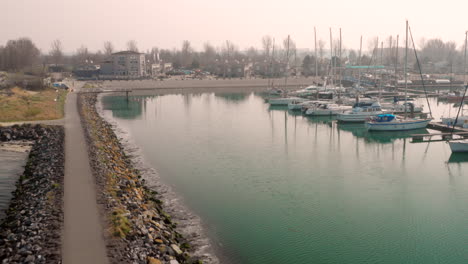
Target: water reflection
<point>320,119</point>
<point>383,137</point>
<point>235,98</point>
<point>123,108</point>
<point>458,158</point>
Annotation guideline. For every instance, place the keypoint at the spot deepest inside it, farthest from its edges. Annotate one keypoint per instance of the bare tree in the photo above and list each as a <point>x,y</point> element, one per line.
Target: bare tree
<point>267,44</point>
<point>18,54</point>
<point>252,53</point>
<point>108,48</point>
<point>132,45</point>
<point>186,53</point>
<point>229,50</point>
<point>208,57</point>
<point>291,46</point>
<point>82,55</point>
<point>153,55</point>
<point>56,52</point>
<point>372,45</point>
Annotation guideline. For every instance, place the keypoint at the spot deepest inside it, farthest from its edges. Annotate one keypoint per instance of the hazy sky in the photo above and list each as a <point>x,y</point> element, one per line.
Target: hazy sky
<point>166,23</point>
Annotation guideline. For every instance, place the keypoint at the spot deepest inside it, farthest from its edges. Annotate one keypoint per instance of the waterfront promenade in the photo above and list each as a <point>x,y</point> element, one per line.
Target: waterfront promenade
<point>83,240</point>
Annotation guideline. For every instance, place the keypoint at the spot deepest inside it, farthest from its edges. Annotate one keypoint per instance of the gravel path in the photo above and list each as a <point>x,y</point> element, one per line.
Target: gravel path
<point>83,239</point>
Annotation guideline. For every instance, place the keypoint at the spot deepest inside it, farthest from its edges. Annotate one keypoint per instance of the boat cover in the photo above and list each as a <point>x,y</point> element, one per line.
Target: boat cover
<point>384,118</point>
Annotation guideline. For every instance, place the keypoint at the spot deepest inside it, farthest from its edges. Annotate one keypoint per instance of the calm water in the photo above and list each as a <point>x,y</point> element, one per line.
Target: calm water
<point>275,187</point>
<point>11,166</point>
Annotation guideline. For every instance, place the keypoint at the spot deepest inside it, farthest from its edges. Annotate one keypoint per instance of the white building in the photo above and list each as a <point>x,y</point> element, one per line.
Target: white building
<point>128,63</point>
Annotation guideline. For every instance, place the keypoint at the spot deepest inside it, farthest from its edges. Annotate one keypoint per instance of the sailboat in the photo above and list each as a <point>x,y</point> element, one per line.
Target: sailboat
<point>460,145</point>
<point>463,119</point>
<point>390,122</point>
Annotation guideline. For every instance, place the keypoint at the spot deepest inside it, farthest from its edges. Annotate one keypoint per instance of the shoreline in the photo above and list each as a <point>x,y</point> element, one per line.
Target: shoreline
<point>190,224</point>
<point>31,230</point>
<point>139,229</point>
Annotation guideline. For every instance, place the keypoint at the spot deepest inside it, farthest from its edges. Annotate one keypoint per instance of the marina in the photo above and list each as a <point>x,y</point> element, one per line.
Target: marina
<point>307,184</point>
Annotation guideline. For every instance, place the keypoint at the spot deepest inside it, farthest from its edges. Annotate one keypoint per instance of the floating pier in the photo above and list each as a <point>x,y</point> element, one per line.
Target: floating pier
<point>458,133</point>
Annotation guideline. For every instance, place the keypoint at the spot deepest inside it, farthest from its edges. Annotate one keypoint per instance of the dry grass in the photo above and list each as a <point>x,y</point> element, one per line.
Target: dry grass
<point>24,105</point>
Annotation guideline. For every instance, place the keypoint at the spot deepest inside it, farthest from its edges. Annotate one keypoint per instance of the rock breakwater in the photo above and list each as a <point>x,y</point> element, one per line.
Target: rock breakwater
<point>31,230</point>
<point>139,230</point>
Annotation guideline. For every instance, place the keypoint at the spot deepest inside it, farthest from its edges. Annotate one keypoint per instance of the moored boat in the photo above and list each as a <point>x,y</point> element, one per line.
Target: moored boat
<point>297,105</point>
<point>459,145</point>
<point>361,112</point>
<point>407,107</point>
<point>284,100</point>
<point>389,122</point>
<point>326,109</point>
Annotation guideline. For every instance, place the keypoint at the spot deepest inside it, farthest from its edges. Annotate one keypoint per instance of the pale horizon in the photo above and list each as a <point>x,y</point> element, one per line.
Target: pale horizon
<point>165,24</point>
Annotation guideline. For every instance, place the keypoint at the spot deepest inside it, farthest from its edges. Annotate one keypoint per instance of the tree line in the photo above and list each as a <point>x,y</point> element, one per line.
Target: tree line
<point>23,55</point>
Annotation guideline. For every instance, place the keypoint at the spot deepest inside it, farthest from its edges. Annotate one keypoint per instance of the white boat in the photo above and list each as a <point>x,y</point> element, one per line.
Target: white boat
<point>361,112</point>
<point>459,145</point>
<point>308,91</point>
<point>389,122</point>
<point>462,121</point>
<point>284,100</point>
<point>299,104</point>
<point>275,92</point>
<point>326,109</point>
<point>401,108</point>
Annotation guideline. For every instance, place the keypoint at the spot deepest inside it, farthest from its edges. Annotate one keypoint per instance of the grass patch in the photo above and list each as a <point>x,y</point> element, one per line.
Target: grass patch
<point>88,85</point>
<point>120,224</point>
<point>32,112</point>
<point>23,105</point>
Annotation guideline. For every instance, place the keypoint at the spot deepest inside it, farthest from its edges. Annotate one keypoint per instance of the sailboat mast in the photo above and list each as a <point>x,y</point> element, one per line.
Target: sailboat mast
<point>316,59</point>
<point>331,57</point>
<point>287,65</point>
<point>396,61</point>
<point>405,70</point>
<point>464,62</point>
<point>381,70</point>
<point>359,68</point>
<point>340,73</point>
<point>271,63</point>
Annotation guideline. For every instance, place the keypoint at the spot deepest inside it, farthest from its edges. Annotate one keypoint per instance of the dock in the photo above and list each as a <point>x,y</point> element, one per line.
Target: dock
<point>458,133</point>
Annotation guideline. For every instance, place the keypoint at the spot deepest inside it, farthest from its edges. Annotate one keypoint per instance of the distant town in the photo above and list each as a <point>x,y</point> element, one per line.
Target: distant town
<point>273,59</point>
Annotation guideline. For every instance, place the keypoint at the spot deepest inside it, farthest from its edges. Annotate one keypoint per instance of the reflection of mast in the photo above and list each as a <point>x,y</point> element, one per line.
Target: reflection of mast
<point>404,149</point>
<point>272,125</point>
<point>295,129</point>
<point>286,131</point>
<point>339,138</point>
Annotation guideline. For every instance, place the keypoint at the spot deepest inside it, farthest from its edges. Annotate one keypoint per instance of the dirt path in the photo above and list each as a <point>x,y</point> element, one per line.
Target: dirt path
<point>83,239</point>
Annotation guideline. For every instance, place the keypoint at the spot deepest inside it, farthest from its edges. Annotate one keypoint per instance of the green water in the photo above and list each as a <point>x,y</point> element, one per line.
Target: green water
<point>276,187</point>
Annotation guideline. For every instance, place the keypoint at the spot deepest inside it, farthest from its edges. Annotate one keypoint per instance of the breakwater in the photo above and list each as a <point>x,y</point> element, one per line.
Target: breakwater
<point>31,230</point>
<point>139,230</point>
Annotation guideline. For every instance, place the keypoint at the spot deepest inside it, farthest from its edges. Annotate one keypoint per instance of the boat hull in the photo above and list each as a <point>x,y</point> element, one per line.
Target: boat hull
<point>284,101</point>
<point>356,118</point>
<point>323,112</point>
<point>397,126</point>
<point>459,146</point>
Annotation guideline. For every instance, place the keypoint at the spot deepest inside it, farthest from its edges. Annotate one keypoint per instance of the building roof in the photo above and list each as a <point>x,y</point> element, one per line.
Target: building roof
<point>126,52</point>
